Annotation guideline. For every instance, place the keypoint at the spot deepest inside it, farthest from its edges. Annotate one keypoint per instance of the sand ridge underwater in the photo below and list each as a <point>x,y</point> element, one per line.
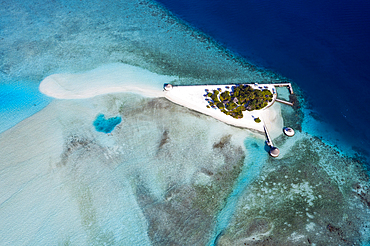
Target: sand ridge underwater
<point>166,174</point>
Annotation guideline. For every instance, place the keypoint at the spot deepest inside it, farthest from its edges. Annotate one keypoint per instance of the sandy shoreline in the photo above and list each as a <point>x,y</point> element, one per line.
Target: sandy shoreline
<point>111,78</point>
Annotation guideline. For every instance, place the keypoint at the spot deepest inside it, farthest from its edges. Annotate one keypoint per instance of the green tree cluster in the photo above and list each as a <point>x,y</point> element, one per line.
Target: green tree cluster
<point>239,99</point>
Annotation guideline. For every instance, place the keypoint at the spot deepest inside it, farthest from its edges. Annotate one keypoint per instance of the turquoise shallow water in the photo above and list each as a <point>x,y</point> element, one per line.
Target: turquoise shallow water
<point>106,125</point>
<point>18,101</point>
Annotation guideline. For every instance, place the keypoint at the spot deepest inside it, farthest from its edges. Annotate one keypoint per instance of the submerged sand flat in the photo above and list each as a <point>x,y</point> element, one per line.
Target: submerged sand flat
<point>97,186</point>
<point>47,199</point>
<point>63,182</point>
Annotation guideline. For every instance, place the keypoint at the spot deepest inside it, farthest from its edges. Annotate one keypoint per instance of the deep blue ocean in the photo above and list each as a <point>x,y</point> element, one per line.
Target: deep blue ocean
<point>322,46</point>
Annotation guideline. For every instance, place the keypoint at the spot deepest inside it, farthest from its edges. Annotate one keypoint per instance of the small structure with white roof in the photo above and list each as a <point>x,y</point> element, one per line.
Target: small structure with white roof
<point>288,131</point>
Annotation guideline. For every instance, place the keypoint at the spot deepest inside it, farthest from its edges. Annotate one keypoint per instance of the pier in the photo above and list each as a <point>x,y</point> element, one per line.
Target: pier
<point>274,151</point>
<point>284,102</point>
<point>268,138</point>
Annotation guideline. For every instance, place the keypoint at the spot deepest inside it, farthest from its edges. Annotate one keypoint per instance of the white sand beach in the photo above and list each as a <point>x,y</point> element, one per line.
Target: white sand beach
<point>111,78</point>
<point>193,97</point>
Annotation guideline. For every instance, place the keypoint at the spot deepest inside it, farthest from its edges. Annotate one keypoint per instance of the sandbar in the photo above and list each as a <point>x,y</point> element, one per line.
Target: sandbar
<point>110,78</point>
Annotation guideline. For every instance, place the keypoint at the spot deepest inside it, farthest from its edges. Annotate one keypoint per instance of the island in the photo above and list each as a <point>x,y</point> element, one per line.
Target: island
<point>241,105</point>
<point>237,105</point>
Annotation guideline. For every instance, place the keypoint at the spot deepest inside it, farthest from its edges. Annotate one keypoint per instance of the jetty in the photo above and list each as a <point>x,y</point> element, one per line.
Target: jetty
<point>283,102</point>
<point>274,151</point>
<point>268,138</point>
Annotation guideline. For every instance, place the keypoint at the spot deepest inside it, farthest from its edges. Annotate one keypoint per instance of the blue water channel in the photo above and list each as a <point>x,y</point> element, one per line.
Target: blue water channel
<point>255,157</point>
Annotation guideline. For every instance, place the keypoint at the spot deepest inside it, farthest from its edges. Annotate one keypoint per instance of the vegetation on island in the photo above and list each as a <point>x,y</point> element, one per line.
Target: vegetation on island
<point>257,120</point>
<point>240,98</point>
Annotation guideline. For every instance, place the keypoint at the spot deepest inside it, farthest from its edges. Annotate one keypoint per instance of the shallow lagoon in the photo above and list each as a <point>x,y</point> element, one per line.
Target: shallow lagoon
<point>106,125</point>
